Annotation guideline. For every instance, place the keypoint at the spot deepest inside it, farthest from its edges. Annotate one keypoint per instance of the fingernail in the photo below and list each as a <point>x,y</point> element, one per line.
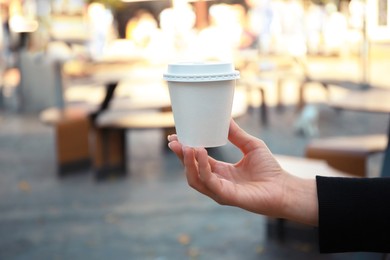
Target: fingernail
<point>169,137</point>
<point>169,145</point>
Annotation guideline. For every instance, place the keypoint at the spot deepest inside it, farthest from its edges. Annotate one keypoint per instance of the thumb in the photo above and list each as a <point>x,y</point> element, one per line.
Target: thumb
<point>244,141</point>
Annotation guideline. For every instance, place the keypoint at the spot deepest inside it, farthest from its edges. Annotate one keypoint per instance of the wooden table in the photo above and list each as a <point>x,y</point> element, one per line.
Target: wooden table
<point>374,100</point>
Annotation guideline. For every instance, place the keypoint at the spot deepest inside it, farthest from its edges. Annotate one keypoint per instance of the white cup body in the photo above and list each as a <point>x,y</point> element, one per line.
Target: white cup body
<point>202,111</point>
<point>202,97</point>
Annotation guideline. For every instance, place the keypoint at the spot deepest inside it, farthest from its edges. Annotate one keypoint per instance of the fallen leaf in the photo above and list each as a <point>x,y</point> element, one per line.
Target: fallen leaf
<point>184,239</point>
<point>24,186</point>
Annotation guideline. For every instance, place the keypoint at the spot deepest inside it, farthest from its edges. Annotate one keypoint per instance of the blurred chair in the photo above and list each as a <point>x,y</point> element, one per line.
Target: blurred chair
<point>349,154</point>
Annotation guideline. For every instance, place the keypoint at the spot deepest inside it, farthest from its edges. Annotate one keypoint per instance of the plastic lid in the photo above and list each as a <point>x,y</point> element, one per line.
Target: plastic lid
<point>201,71</point>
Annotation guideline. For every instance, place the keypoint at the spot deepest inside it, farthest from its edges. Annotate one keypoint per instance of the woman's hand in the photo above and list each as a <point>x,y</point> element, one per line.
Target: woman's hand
<point>256,183</point>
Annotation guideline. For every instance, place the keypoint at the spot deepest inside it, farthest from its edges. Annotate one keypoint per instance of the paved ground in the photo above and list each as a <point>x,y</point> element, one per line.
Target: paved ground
<point>151,213</point>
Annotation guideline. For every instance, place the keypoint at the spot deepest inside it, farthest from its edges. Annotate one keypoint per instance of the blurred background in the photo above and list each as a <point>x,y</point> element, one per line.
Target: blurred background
<point>84,115</point>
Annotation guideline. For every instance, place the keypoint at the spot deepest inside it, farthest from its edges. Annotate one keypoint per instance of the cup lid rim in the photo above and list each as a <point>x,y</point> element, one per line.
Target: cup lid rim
<point>201,77</point>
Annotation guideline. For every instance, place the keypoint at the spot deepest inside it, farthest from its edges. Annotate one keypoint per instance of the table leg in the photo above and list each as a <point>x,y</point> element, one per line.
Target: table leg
<point>110,153</point>
<point>279,89</point>
<point>263,107</point>
<point>110,89</point>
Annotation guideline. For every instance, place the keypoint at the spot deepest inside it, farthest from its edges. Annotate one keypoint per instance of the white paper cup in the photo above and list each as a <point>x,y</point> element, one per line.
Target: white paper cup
<point>202,97</point>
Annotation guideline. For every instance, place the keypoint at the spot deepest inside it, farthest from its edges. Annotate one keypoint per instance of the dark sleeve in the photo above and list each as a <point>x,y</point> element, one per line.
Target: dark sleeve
<point>354,214</point>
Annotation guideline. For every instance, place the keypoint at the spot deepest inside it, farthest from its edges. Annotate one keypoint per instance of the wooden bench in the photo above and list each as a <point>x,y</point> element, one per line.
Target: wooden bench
<point>72,127</point>
<point>349,154</point>
<point>83,140</point>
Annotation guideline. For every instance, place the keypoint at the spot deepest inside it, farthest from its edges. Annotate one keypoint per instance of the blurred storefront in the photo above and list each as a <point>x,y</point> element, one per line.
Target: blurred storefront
<point>309,27</point>
<point>166,30</point>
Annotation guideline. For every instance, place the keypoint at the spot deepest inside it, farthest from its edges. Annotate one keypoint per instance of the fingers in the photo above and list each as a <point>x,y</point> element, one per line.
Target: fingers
<point>192,172</point>
<point>221,189</point>
<point>175,146</point>
<point>208,178</point>
<point>244,141</point>
<point>191,166</point>
<point>203,164</point>
<point>198,169</point>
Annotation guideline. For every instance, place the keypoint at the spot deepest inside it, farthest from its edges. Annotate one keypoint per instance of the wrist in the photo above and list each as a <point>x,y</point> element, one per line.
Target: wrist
<point>300,200</point>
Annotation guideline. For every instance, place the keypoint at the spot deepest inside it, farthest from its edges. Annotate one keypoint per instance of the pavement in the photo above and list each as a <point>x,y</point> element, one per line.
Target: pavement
<point>150,213</point>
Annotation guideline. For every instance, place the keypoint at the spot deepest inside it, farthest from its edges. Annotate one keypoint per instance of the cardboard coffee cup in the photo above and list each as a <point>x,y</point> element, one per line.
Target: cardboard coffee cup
<point>202,97</point>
